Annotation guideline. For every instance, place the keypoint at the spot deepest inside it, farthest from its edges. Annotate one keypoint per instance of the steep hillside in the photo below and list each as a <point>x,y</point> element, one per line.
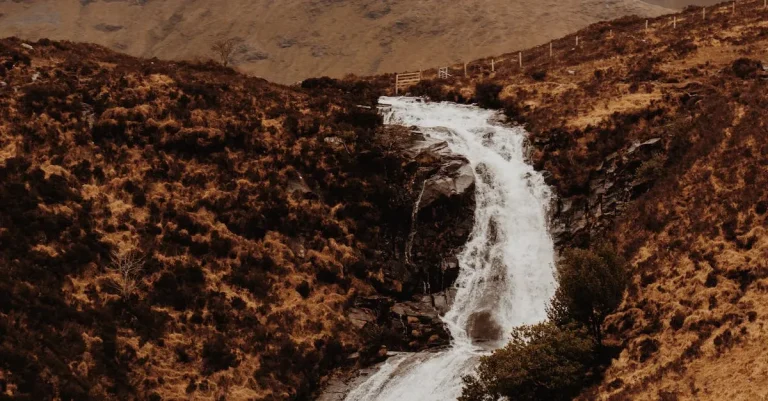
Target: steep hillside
<point>658,141</point>
<point>180,231</point>
<point>289,40</point>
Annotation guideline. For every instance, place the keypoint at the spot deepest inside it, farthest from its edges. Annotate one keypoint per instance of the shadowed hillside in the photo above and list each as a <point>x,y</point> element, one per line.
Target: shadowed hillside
<point>174,230</point>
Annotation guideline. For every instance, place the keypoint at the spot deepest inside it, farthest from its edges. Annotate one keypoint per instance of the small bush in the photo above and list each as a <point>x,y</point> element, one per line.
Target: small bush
<point>217,355</point>
<point>542,362</point>
<point>487,95</point>
<point>431,89</point>
<point>745,68</point>
<point>539,75</point>
<point>651,169</point>
<point>319,83</point>
<point>304,289</point>
<point>592,284</point>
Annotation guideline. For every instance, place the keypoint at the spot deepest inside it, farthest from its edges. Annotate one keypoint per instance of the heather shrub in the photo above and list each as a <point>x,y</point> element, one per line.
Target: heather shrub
<point>487,95</point>
<point>591,286</point>
<point>542,362</point>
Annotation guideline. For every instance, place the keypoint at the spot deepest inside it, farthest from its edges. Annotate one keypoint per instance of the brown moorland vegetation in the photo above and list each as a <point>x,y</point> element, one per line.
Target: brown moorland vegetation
<point>179,230</point>
<point>692,221</point>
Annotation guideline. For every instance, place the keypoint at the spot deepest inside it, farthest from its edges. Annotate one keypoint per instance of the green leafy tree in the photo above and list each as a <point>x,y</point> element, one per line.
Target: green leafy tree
<point>592,284</point>
<point>542,362</point>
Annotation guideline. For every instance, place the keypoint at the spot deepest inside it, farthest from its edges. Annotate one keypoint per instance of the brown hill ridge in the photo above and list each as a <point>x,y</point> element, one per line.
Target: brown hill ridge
<point>289,40</point>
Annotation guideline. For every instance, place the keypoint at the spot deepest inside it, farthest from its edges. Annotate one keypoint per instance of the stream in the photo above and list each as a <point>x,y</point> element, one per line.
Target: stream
<point>506,276</point>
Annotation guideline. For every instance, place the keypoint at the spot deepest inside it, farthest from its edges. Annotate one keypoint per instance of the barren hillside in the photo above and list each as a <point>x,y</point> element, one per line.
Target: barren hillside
<point>289,40</point>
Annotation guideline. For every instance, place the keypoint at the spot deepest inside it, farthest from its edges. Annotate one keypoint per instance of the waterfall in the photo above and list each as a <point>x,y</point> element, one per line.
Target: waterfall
<point>506,268</point>
<point>414,219</point>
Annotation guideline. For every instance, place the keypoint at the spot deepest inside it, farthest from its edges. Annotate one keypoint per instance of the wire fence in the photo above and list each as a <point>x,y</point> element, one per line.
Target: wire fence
<point>619,34</point>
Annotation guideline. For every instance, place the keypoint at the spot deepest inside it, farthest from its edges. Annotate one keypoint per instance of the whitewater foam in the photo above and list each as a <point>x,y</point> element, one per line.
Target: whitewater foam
<point>506,273</point>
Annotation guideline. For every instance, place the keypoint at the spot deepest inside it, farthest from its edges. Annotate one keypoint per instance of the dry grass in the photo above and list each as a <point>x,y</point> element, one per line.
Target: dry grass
<point>693,324</point>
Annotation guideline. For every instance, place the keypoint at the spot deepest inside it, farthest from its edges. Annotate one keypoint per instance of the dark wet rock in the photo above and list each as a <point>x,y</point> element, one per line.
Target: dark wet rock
<point>454,179</point>
<point>360,317</point>
<point>340,384</point>
<point>483,327</point>
<point>413,325</point>
<point>442,301</point>
<point>421,325</point>
<point>612,186</point>
<point>443,219</point>
<point>647,146</point>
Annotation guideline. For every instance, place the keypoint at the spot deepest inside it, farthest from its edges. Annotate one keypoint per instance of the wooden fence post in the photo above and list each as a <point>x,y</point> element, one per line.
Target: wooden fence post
<point>577,41</point>
<point>674,22</point>
<point>646,26</point>
<point>493,65</point>
<point>397,83</point>
<point>520,58</point>
<point>550,48</point>
<point>465,69</point>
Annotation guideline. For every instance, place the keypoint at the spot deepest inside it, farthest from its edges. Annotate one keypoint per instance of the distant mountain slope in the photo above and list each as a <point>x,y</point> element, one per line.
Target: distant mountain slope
<point>288,40</point>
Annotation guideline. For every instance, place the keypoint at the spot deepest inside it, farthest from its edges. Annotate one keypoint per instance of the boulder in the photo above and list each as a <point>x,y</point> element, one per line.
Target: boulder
<point>420,324</point>
<point>482,327</point>
<point>360,317</point>
<point>611,186</point>
<point>454,175</point>
<point>454,178</point>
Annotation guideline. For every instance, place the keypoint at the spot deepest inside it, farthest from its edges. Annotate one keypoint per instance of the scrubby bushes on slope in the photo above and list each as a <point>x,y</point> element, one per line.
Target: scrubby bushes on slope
<point>541,362</point>
<point>555,360</point>
<point>255,231</point>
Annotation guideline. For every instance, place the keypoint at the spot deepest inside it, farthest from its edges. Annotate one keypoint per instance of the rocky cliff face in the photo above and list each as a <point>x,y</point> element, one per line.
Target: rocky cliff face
<point>624,176</point>
<point>441,221</point>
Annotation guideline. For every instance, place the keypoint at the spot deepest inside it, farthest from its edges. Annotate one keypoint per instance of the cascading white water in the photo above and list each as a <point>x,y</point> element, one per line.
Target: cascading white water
<point>414,218</point>
<point>506,273</point>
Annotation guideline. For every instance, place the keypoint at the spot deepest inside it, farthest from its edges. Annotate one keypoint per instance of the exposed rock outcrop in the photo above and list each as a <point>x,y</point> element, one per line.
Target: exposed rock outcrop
<point>443,201</point>
<point>620,179</point>
<point>412,325</point>
<point>442,193</point>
